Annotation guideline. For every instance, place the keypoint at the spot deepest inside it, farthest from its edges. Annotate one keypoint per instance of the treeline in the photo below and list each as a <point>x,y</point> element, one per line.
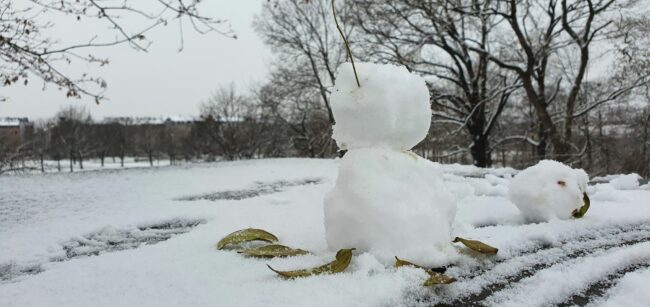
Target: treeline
<point>230,126</point>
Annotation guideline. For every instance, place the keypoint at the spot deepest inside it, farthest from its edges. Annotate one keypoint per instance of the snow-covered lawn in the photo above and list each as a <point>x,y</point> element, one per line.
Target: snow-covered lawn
<point>146,236</point>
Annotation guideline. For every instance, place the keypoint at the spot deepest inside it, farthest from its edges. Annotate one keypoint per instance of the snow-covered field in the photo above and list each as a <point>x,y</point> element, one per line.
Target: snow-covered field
<point>146,236</point>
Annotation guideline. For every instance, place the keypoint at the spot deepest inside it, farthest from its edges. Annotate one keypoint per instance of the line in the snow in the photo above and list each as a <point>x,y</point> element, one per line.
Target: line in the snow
<point>259,189</point>
<point>471,290</point>
<point>103,241</point>
<point>599,289</point>
<point>561,281</point>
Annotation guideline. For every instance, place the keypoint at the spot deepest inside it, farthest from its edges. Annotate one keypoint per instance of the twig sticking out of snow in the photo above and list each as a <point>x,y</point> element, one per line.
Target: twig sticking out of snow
<point>347,45</point>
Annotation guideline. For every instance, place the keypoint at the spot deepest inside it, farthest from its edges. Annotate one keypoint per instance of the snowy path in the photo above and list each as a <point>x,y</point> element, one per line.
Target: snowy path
<point>600,260</point>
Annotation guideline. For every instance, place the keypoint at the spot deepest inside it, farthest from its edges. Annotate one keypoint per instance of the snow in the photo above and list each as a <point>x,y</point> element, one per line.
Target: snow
<point>41,214</point>
<point>555,284</point>
<point>628,292</point>
<point>390,203</point>
<point>387,200</point>
<point>626,182</point>
<point>390,109</point>
<point>548,190</point>
<point>12,121</point>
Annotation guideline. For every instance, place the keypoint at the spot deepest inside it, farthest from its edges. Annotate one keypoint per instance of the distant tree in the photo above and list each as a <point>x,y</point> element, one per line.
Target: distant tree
<point>40,143</point>
<point>228,118</point>
<point>304,32</point>
<point>106,138</point>
<point>73,133</point>
<point>169,141</point>
<point>307,49</point>
<point>150,139</point>
<point>124,139</point>
<point>27,49</point>
<point>6,156</point>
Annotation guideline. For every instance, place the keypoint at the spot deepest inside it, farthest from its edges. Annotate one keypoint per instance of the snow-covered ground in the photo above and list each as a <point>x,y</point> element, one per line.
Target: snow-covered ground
<point>146,236</point>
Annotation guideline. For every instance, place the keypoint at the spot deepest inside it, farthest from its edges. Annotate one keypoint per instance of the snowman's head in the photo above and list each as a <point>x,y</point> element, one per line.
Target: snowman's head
<point>549,189</point>
<point>391,109</point>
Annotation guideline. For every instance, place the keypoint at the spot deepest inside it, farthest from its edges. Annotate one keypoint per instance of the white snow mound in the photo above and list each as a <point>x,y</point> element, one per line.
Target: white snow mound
<point>626,182</point>
<point>390,203</point>
<point>548,190</point>
<point>390,109</point>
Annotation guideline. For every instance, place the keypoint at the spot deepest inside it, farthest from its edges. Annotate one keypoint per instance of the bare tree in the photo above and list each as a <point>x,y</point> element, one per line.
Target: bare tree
<point>304,32</point>
<point>7,157</point>
<point>27,50</point>
<point>228,118</point>
<point>39,144</point>
<point>288,98</point>
<point>73,133</point>
<point>540,36</point>
<point>434,39</point>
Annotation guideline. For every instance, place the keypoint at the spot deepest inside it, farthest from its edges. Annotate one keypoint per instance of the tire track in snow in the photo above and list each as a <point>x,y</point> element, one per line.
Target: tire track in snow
<point>560,282</point>
<point>258,189</point>
<point>599,289</point>
<point>493,276</point>
<point>592,235</point>
<point>103,241</point>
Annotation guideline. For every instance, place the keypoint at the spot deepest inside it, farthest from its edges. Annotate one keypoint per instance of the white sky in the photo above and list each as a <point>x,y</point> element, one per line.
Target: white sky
<point>163,82</point>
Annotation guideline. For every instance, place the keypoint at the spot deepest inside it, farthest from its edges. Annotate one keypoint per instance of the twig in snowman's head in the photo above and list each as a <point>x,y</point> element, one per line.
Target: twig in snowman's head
<point>347,45</point>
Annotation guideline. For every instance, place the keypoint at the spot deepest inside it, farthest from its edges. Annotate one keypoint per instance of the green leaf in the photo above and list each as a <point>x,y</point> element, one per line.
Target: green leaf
<point>578,213</point>
<point>343,258</point>
<point>247,235</point>
<point>477,246</point>
<point>273,250</point>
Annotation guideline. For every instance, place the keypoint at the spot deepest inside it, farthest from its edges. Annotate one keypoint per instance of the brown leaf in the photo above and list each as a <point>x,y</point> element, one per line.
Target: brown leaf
<point>477,246</point>
<point>247,235</point>
<point>273,250</point>
<point>343,259</point>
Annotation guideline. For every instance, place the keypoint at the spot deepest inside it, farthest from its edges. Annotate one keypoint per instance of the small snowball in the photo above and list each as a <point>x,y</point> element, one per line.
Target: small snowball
<point>626,182</point>
<point>390,109</point>
<point>548,190</point>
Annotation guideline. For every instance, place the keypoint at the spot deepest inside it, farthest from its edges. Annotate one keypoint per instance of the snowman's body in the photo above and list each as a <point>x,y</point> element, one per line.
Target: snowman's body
<point>387,200</point>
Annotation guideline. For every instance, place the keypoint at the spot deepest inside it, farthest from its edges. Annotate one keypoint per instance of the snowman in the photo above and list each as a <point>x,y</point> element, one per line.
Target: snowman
<point>387,200</point>
<point>550,190</point>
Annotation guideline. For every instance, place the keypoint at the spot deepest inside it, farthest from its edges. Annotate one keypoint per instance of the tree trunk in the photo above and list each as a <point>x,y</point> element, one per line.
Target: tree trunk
<point>150,154</point>
<point>561,149</point>
<point>71,161</point>
<point>42,164</point>
<point>480,151</point>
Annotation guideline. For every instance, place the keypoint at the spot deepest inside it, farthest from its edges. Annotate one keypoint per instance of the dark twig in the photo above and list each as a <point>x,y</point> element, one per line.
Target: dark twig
<point>347,45</point>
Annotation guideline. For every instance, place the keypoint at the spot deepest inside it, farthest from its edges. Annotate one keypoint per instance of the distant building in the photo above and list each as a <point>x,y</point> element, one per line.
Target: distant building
<point>15,132</point>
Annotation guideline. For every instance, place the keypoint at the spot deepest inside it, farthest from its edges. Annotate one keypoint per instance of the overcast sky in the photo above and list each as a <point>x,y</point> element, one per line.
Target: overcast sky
<point>163,82</point>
